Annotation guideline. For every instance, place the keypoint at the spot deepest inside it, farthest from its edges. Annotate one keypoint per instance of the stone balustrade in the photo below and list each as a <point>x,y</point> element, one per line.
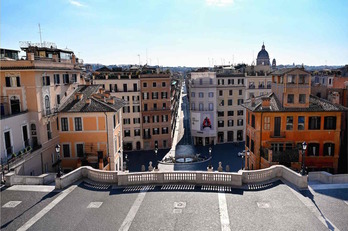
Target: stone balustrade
<point>184,177</point>
<point>13,179</point>
<point>327,178</point>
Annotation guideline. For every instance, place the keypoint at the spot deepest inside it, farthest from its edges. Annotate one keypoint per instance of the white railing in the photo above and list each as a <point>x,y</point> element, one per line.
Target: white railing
<point>198,177</point>
<point>13,179</point>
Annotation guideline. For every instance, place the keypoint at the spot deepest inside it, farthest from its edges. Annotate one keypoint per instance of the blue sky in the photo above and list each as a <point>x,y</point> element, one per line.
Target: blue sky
<point>183,32</point>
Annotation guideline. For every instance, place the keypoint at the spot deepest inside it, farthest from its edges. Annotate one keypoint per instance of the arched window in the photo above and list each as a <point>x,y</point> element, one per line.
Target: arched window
<point>47,105</point>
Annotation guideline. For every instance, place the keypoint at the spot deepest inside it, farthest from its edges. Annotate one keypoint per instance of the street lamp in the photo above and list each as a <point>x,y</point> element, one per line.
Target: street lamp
<point>304,147</point>
<point>242,160</point>
<point>248,154</point>
<point>210,149</point>
<point>58,160</point>
<point>156,151</point>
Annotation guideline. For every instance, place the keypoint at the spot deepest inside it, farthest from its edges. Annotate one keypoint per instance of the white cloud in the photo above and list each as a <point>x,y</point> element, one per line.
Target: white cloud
<point>219,2</point>
<point>76,3</point>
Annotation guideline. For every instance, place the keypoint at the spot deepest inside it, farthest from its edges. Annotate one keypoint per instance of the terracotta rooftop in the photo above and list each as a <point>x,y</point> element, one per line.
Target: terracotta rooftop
<point>91,100</point>
<point>316,104</point>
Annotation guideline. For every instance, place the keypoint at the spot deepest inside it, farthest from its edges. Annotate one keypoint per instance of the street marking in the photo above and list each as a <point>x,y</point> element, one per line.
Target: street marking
<point>177,210</point>
<point>263,205</point>
<point>133,211</point>
<point>224,219</point>
<point>94,205</point>
<point>32,188</point>
<point>179,205</point>
<point>45,210</point>
<point>11,204</point>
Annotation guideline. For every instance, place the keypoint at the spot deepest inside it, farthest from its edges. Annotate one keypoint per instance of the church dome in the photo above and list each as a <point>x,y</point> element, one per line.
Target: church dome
<point>263,57</point>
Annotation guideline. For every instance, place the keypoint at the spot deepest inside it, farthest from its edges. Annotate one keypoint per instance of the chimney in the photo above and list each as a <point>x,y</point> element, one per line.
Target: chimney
<point>111,100</point>
<point>266,102</point>
<point>334,97</point>
<point>252,101</point>
<point>73,59</point>
<point>78,96</point>
<point>88,101</point>
<point>101,90</point>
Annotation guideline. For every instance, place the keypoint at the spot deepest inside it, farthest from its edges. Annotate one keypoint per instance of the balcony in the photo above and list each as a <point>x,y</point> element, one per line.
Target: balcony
<point>278,134</point>
<point>251,86</point>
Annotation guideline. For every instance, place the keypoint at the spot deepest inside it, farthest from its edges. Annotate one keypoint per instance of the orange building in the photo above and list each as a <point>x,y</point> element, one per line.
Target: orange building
<point>90,129</point>
<point>277,125</point>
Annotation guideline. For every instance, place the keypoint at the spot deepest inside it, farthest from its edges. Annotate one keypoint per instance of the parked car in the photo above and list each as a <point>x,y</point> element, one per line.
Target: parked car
<point>241,153</point>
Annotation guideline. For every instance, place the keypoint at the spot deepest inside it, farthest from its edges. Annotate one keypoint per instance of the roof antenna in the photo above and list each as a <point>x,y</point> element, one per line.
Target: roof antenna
<point>40,35</point>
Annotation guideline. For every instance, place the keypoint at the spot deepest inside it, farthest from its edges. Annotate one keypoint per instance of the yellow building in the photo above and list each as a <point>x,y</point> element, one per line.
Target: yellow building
<point>90,129</point>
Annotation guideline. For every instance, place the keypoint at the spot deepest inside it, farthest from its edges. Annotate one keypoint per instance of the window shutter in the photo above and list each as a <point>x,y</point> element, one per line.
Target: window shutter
<point>8,82</point>
<point>18,81</point>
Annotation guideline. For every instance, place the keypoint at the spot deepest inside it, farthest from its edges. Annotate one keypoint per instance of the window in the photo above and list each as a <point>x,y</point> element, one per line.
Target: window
<point>251,95</point>
<point>267,123</point>
<point>302,98</point>
<point>58,99</point>
<point>66,150</point>
<point>330,81</point>
<point>291,79</point>
<point>247,141</point>
<point>193,106</point>
<point>289,122</point>
<point>144,84</point>
<point>56,78</point>
<point>192,94</point>
<point>45,80</point>
<point>146,119</point>
<point>155,106</point>
<point>240,101</point>
<point>302,79</point>
<point>154,84</point>
<point>155,131</point>
<point>64,124</point>
<point>253,121</point>
<point>210,81</point>
<point>79,150</point>
<point>241,81</point>
<point>221,93</point>
<point>211,106</point>
<point>136,108</point>
<point>200,94</point>
<point>230,92</point>
<point>221,123</point>
<point>201,107</point>
<point>330,123</point>
<point>114,120</point>
<point>165,130</point>
<point>65,78</point>
<point>230,123</point>
<point>136,132</point>
<point>229,102</point>
<point>313,149</point>
<point>240,92</point>
<point>136,120</point>
<point>74,78</point>
<point>135,87</point>
<point>49,132</point>
<point>164,118</point>
<point>78,124</point>
<point>126,109</point>
<point>155,118</point>
<point>252,146</point>
<point>154,95</point>
<point>145,95</point>
<point>200,81</point>
<point>314,123</point>
<point>127,133</point>
<point>220,113</point>
<point>211,94</point>
<point>329,149</point>
<point>290,98</point>
<point>300,123</point>
<point>240,112</point>
<point>239,122</point>
<point>230,136</point>
<point>164,95</point>
<point>222,103</point>
<point>230,113</point>
<point>163,84</point>
<point>145,107</point>
<point>126,121</point>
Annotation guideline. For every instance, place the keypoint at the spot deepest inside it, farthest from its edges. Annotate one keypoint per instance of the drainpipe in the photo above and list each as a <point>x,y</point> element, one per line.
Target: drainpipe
<point>260,143</point>
<point>107,135</point>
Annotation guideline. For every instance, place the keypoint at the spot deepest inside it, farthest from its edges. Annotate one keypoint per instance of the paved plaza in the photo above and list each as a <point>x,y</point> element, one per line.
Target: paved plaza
<point>93,206</point>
